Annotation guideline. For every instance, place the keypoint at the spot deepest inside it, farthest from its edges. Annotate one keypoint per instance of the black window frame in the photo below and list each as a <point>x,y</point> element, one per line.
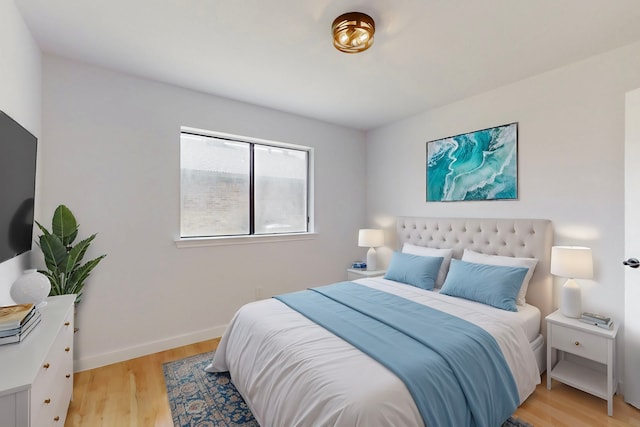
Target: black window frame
<point>252,142</point>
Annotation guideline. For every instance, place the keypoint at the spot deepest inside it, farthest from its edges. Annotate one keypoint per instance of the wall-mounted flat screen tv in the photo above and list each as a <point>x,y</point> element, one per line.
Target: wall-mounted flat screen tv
<point>17,187</point>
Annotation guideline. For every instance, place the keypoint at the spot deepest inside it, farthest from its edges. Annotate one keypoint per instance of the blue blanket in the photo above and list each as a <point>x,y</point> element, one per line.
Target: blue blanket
<point>454,370</point>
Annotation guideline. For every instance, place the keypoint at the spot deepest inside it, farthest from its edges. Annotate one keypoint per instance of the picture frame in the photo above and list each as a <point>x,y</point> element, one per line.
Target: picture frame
<point>478,165</point>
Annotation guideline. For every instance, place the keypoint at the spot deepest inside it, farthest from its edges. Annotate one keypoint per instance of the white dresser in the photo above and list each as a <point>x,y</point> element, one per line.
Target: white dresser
<point>36,375</point>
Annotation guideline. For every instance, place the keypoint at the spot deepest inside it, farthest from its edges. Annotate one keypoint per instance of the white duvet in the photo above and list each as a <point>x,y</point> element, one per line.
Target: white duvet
<point>292,372</point>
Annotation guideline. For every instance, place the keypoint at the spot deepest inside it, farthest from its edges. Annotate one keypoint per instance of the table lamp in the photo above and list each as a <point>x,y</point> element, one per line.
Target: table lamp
<point>370,238</point>
<point>572,262</point>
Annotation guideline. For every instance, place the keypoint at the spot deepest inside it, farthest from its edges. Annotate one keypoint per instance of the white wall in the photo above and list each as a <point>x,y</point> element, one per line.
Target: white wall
<point>570,162</point>
<point>112,156</point>
<point>20,98</point>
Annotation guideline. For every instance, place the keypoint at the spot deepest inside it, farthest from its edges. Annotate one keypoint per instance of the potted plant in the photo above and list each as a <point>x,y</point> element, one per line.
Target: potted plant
<point>65,270</point>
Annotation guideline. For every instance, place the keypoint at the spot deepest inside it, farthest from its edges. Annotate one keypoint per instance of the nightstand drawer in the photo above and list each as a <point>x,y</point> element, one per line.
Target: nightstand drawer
<point>579,343</point>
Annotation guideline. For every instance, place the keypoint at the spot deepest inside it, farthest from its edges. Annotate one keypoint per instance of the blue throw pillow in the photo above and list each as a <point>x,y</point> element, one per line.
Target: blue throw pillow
<point>489,284</point>
<point>419,271</point>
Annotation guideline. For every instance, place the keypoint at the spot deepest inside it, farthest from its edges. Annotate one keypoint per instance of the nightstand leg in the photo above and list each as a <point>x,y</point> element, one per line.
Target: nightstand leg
<point>611,354</point>
<point>549,332</point>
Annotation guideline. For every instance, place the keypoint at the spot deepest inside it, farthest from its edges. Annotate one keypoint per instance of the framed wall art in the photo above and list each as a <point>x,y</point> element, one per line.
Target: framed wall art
<point>479,165</point>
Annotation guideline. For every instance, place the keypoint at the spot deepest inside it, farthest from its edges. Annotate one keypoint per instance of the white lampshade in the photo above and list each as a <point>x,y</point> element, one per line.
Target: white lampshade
<point>572,262</point>
<point>370,238</point>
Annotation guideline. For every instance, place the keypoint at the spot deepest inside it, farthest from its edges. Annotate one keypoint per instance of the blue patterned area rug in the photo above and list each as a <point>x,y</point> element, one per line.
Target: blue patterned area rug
<point>201,399</point>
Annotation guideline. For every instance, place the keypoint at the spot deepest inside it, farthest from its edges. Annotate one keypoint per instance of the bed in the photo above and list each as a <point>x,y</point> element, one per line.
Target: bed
<point>293,372</point>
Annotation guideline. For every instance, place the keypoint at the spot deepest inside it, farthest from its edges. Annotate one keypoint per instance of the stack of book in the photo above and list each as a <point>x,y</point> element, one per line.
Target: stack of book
<point>597,320</point>
<point>17,321</point>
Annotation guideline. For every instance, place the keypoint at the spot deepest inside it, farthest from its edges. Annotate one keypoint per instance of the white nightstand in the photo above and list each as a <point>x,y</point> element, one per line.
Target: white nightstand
<point>353,273</point>
<point>568,335</point>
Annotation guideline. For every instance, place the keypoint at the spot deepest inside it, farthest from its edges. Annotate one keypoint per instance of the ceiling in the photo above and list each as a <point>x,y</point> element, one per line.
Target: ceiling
<point>279,53</point>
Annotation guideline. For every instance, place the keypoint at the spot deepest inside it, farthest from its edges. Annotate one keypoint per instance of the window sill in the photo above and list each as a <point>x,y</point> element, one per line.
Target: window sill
<point>194,242</point>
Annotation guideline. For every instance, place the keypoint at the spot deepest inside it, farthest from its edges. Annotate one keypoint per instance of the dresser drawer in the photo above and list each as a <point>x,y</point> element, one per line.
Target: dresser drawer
<point>43,388</point>
<point>46,415</point>
<point>50,398</point>
<point>579,343</point>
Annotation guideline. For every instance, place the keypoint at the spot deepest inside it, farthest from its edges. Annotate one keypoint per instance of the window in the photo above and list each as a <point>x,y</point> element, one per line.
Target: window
<point>234,186</point>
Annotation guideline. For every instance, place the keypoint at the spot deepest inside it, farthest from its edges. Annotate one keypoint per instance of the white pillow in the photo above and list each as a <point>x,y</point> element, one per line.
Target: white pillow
<point>446,254</point>
<point>478,258</point>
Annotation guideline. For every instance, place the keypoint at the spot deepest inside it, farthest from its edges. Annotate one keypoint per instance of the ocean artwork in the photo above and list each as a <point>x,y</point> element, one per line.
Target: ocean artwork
<point>480,165</point>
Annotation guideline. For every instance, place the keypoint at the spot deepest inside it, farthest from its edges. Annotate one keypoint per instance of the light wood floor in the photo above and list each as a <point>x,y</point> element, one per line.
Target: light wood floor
<point>127,394</point>
<point>133,394</point>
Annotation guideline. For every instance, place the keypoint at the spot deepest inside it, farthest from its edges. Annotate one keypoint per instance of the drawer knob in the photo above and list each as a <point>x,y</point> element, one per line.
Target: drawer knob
<point>56,418</point>
<point>67,349</point>
<point>67,323</point>
<point>577,343</point>
<point>68,376</point>
<point>46,365</point>
<point>47,401</point>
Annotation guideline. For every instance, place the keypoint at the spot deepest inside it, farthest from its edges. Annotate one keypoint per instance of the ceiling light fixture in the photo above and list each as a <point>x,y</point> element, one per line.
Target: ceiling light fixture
<point>353,32</point>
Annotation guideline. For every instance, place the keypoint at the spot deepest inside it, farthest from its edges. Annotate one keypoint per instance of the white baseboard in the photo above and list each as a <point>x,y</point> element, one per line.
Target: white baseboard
<point>147,348</point>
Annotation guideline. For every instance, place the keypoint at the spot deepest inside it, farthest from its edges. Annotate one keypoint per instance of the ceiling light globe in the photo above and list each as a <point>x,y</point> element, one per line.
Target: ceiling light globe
<point>353,32</point>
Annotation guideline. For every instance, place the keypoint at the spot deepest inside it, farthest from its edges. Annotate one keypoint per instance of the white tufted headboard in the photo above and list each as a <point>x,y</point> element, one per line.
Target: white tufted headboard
<point>529,238</point>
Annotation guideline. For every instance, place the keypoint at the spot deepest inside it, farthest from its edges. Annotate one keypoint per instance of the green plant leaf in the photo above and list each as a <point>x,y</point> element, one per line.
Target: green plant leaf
<point>80,274</point>
<point>64,225</point>
<point>76,254</point>
<point>71,238</point>
<point>41,227</point>
<point>55,253</point>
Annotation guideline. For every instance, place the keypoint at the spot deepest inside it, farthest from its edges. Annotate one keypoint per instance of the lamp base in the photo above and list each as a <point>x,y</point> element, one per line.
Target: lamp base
<point>571,303</point>
<point>372,259</point>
